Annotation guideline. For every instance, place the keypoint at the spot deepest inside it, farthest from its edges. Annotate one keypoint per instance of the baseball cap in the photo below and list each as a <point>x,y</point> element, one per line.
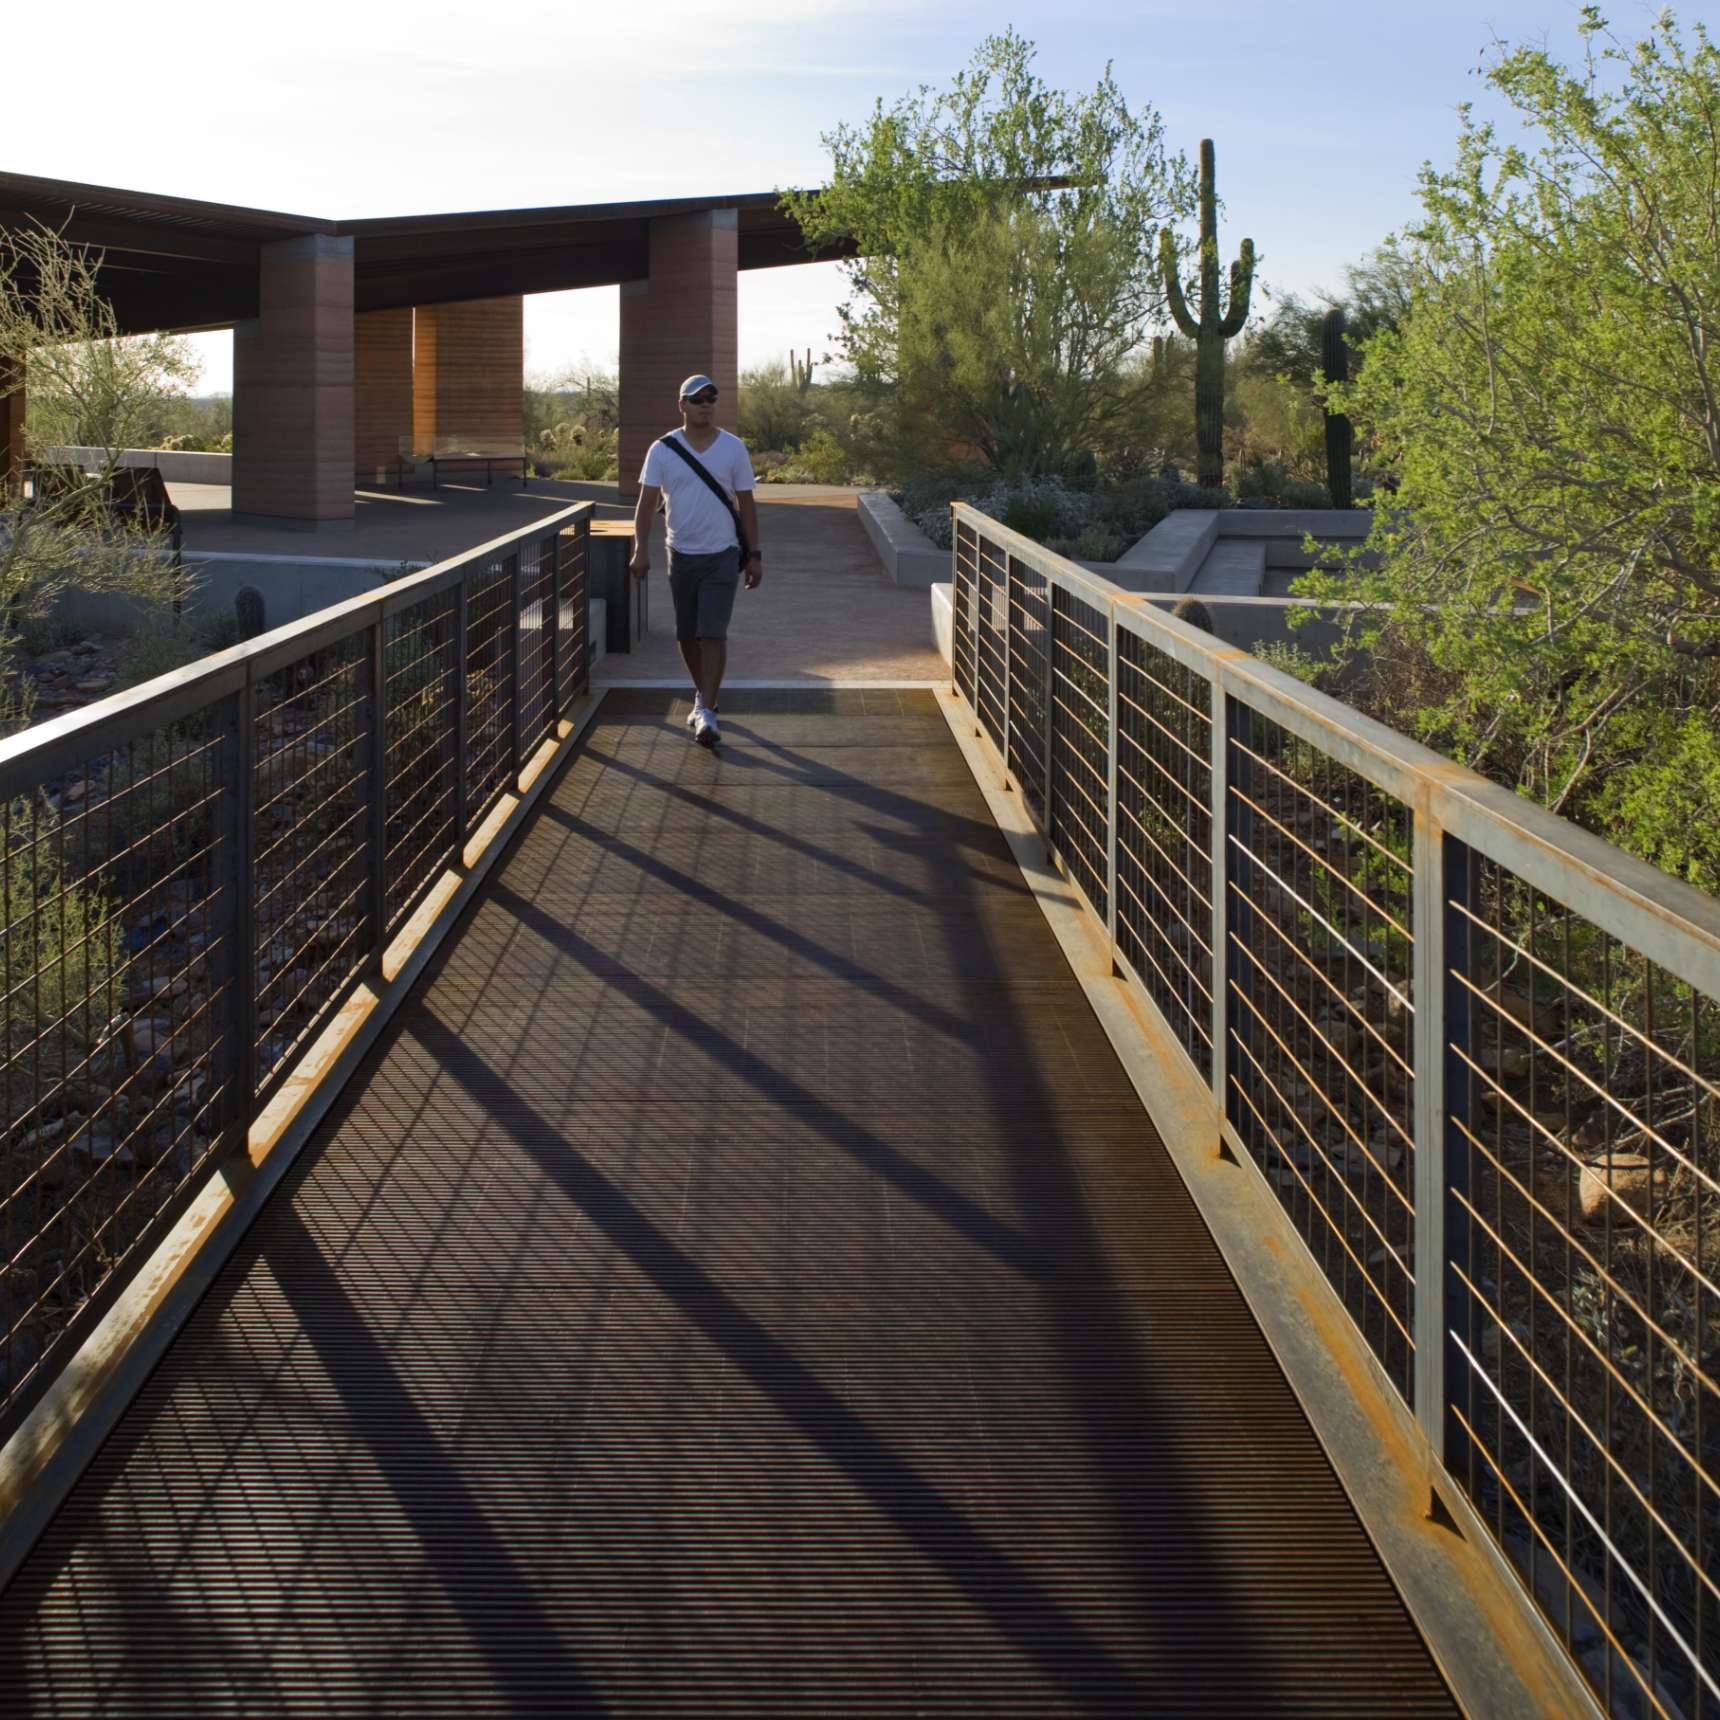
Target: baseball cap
<point>694,383</point>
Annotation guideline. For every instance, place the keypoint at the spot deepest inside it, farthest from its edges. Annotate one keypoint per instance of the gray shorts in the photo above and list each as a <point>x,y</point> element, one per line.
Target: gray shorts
<point>703,587</point>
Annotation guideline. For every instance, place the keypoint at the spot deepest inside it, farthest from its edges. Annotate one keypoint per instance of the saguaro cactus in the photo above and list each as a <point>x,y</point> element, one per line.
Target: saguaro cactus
<point>1215,325</point>
<point>249,612</point>
<point>1335,367</point>
<point>802,373</point>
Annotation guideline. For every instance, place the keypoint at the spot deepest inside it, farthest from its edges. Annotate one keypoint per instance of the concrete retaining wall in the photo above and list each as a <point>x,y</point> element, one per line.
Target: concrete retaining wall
<point>292,586</point>
<point>292,590</point>
<point>175,467</point>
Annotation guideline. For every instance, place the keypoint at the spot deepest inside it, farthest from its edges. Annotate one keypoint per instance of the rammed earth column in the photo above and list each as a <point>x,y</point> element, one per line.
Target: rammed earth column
<point>681,319</point>
<point>468,377</point>
<point>381,390</point>
<point>292,388</point>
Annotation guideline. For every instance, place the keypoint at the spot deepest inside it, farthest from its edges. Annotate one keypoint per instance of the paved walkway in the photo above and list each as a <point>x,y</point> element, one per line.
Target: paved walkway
<point>825,612</point>
<point>741,1280</point>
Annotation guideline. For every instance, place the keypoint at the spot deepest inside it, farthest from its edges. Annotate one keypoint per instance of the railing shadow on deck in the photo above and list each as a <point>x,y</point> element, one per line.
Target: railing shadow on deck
<point>197,875</point>
<point>1473,1051</point>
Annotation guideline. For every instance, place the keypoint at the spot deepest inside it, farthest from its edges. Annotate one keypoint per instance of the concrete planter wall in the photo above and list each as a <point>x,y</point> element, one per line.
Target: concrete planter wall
<point>1234,552</point>
<point>1217,552</point>
<point>908,555</point>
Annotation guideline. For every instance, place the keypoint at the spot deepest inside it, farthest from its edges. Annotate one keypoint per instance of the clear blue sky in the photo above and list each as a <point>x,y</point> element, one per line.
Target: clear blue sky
<point>1322,112</point>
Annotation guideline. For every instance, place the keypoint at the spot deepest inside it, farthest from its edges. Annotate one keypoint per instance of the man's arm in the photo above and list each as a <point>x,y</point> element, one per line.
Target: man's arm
<point>643,511</point>
<point>748,510</point>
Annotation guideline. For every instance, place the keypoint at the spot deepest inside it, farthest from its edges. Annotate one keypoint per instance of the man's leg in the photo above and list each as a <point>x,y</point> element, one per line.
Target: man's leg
<point>705,660</point>
<point>714,658</point>
<point>693,657</point>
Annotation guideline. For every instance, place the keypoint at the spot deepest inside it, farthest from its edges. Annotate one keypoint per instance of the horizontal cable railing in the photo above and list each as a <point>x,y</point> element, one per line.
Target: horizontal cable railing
<point>195,877</point>
<point>1473,1051</point>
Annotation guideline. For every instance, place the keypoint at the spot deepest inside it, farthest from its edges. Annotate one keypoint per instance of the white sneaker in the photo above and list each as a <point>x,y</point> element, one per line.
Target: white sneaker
<point>705,730</point>
<point>693,715</point>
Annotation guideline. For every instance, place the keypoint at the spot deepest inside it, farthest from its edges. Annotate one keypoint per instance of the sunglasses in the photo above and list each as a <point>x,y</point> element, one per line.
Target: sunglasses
<point>706,398</point>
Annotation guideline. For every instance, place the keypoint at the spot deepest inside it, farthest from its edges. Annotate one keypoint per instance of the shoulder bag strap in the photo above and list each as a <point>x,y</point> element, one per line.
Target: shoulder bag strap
<point>715,488</point>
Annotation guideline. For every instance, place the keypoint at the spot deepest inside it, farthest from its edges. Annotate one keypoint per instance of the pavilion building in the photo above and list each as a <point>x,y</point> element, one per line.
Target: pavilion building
<point>355,342</point>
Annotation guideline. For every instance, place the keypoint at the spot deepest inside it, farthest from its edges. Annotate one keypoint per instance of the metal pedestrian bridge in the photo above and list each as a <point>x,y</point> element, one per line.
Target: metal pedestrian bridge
<point>977,1198</point>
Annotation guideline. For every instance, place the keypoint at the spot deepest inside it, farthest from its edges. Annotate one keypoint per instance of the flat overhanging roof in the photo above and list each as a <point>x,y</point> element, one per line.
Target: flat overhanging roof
<point>174,263</point>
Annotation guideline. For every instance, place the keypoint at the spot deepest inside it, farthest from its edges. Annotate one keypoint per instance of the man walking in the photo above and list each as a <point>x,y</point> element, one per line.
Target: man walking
<point>705,480</point>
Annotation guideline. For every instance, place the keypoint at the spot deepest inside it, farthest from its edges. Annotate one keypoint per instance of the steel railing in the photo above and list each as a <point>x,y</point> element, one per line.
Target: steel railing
<point>1473,1050</point>
<point>195,877</point>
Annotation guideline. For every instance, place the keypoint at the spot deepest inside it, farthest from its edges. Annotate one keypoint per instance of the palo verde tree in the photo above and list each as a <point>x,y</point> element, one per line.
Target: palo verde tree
<point>1005,234</point>
<point>58,331</point>
<point>1551,408</point>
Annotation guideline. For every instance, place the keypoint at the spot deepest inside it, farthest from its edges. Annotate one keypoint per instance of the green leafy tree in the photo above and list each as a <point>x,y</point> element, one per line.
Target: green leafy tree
<point>776,413</point>
<point>1005,233</point>
<point>1551,409</point>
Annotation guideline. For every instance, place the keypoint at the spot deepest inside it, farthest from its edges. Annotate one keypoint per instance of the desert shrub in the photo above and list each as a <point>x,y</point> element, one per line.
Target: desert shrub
<point>821,459</point>
<point>59,948</point>
<point>164,645</point>
<point>36,635</point>
<point>1130,510</point>
<point>1107,521</point>
<point>1095,543</point>
<point>1032,516</point>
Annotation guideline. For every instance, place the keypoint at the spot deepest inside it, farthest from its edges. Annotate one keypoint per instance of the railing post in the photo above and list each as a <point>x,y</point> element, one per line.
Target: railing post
<point>1112,749</point>
<point>1002,591</point>
<point>977,627</point>
<point>516,692</point>
<point>376,793</point>
<point>1218,844</point>
<point>1049,707</point>
<point>238,1073</point>
<point>1427,980</point>
<point>955,594</point>
<point>582,596</point>
<point>1236,844</point>
<point>554,630</point>
<point>460,701</point>
<point>1449,1296</point>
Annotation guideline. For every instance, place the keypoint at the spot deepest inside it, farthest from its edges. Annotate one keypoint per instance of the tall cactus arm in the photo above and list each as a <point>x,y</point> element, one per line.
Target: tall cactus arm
<point>1173,285</point>
<point>1241,282</point>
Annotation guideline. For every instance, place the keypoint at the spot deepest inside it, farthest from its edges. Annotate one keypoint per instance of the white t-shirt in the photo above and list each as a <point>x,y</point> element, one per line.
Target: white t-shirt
<point>698,523</point>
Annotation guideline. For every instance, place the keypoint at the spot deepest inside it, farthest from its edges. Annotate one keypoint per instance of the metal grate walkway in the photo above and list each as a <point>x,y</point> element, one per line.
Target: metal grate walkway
<point>741,1279</point>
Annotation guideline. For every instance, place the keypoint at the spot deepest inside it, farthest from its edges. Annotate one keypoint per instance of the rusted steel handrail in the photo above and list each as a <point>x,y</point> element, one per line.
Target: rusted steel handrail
<point>197,874</point>
<point>1473,1050</point>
